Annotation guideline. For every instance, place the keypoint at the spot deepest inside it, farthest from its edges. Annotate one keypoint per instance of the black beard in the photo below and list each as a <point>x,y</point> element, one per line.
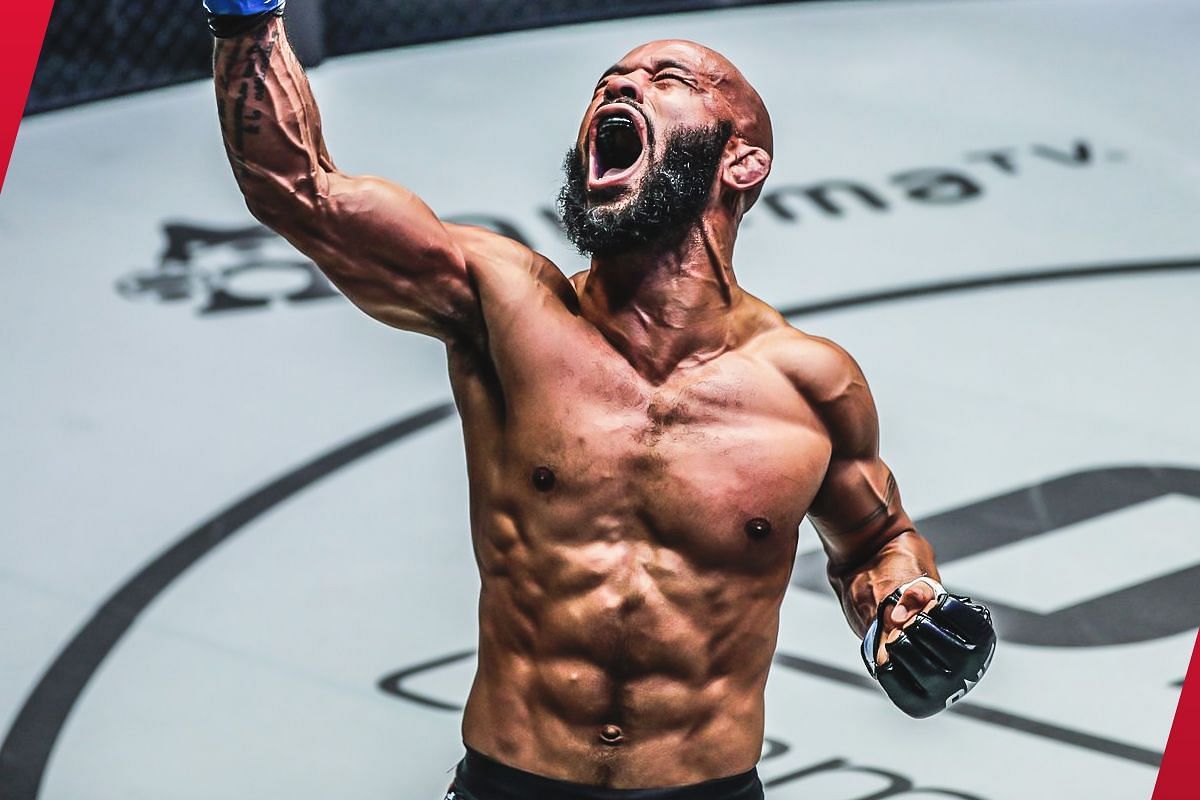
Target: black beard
<point>667,201</point>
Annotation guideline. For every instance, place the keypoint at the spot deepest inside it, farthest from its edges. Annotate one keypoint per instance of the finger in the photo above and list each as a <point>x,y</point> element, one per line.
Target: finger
<point>939,645</point>
<point>906,654</point>
<point>916,598</point>
<point>881,654</point>
<point>968,619</point>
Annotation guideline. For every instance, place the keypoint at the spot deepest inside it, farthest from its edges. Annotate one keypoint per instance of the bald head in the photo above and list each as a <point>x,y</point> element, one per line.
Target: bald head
<point>743,105</point>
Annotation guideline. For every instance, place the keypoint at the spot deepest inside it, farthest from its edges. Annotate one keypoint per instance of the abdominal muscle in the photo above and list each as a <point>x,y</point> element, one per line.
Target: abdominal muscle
<point>618,664</point>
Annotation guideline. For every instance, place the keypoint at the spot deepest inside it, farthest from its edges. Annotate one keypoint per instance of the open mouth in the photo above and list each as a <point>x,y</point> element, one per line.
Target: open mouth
<point>617,143</point>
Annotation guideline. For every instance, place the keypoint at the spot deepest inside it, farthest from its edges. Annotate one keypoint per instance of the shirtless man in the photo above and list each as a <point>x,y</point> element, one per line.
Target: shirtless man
<point>643,439</point>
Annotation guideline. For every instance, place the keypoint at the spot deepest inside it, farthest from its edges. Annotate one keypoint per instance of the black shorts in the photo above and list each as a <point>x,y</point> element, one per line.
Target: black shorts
<point>480,778</point>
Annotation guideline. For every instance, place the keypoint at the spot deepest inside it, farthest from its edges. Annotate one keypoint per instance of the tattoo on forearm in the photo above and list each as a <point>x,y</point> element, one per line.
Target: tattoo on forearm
<point>882,511</point>
<point>246,68</point>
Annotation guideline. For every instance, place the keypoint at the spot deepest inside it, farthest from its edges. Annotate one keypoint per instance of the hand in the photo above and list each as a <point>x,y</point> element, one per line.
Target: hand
<point>936,651</point>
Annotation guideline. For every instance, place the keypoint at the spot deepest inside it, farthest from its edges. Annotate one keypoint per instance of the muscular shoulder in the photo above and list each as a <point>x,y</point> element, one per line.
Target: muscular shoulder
<point>505,266</point>
<point>833,384</point>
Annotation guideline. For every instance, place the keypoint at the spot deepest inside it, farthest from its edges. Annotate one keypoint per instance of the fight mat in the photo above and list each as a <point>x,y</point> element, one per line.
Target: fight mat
<point>234,560</point>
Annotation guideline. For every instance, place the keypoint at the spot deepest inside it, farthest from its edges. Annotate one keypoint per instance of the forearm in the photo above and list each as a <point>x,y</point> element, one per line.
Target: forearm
<point>862,586</point>
<point>269,122</point>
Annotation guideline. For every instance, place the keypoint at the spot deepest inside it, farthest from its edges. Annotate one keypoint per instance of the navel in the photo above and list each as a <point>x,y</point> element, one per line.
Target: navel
<point>611,735</point>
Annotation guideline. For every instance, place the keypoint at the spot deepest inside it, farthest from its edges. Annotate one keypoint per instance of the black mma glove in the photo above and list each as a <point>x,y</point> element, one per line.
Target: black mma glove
<point>937,658</point>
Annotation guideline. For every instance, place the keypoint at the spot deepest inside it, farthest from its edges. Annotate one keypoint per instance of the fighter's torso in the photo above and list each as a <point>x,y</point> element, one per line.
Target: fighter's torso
<point>634,541</point>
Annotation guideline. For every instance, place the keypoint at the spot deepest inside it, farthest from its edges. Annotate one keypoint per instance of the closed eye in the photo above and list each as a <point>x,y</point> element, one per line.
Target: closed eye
<point>672,76</point>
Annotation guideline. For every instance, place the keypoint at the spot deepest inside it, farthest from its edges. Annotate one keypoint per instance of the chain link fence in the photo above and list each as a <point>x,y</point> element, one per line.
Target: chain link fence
<point>103,48</point>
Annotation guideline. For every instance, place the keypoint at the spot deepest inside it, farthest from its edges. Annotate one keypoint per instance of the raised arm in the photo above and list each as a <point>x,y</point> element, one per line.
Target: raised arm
<point>926,647</point>
<point>376,241</point>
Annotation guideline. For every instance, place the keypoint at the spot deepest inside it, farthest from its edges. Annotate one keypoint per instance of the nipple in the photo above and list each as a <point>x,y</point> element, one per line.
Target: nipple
<point>543,479</point>
<point>758,528</point>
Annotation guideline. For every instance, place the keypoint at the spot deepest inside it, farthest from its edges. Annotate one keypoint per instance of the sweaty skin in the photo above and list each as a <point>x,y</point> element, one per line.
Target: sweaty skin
<point>643,439</point>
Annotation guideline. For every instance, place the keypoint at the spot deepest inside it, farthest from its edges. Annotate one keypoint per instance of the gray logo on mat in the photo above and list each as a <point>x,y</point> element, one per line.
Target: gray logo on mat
<point>226,269</point>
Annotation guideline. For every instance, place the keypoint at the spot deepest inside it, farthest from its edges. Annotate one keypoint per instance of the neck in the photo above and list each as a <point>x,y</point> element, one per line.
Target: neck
<point>663,308</point>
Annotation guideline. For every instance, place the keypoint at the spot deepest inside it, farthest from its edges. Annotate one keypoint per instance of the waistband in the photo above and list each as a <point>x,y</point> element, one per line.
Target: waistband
<point>491,780</point>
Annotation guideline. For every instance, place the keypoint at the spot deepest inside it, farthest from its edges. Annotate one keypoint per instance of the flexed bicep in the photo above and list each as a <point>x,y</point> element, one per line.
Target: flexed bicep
<point>391,256</point>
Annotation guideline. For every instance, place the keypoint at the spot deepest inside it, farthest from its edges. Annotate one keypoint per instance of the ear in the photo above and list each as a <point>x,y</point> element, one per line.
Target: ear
<point>744,166</point>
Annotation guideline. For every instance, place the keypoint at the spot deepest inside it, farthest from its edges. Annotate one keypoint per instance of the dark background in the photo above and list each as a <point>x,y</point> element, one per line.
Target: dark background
<point>102,48</point>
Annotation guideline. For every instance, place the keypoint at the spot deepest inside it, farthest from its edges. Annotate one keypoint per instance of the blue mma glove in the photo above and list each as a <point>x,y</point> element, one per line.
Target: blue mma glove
<point>234,17</point>
<point>937,658</point>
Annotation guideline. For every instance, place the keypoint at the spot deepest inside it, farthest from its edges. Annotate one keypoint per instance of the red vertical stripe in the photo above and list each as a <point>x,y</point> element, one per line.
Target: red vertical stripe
<point>1178,778</point>
<point>21,35</point>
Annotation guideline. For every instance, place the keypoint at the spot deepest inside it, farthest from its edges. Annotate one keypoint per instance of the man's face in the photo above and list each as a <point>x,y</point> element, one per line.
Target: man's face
<point>647,153</point>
